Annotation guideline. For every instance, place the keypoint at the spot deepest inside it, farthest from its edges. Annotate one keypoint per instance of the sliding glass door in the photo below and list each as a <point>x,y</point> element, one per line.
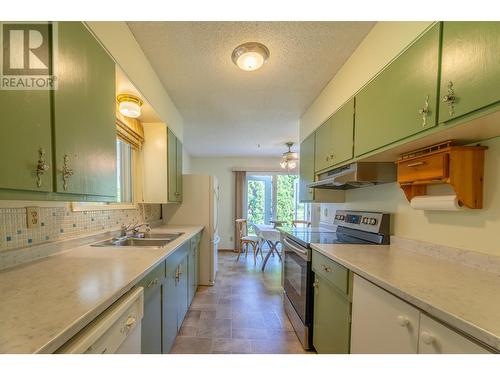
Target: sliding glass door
<point>273,197</point>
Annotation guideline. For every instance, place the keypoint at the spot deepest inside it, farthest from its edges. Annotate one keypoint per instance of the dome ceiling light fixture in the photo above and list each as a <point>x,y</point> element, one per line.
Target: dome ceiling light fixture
<point>289,158</point>
<point>129,105</point>
<point>250,56</point>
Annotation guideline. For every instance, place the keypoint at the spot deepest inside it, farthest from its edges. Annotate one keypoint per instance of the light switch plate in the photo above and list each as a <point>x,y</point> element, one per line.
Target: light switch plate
<point>33,217</point>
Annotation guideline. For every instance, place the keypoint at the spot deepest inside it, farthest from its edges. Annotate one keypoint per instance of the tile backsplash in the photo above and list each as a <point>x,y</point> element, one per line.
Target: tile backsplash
<point>61,223</point>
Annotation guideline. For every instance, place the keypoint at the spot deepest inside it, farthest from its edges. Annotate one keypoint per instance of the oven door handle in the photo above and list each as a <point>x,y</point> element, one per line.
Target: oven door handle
<point>299,251</point>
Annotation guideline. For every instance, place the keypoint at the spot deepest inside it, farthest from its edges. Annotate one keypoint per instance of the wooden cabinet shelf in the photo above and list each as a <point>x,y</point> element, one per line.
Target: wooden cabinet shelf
<point>461,167</point>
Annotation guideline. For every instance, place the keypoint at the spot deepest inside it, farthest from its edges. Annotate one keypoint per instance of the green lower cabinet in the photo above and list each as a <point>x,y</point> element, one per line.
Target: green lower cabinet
<point>306,168</point>
<point>170,308</point>
<point>331,324</point>
<point>402,100</point>
<point>470,67</point>
<point>175,295</point>
<point>193,268</point>
<point>84,114</point>
<point>151,332</point>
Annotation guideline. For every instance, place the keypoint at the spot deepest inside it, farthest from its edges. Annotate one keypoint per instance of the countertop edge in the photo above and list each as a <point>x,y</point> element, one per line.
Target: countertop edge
<point>466,327</point>
<point>65,335</point>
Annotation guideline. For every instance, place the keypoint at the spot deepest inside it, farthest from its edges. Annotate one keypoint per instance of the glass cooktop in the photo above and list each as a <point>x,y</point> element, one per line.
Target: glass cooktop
<point>306,236</point>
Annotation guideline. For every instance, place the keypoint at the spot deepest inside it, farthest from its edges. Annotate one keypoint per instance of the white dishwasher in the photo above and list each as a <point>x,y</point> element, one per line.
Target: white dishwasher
<point>116,330</point>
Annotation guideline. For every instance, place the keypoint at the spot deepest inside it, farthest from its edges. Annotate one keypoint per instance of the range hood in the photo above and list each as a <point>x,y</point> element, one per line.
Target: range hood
<point>356,175</point>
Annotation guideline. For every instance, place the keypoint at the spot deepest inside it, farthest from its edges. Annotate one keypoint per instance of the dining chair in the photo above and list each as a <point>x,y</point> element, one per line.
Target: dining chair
<point>245,240</point>
<point>305,223</point>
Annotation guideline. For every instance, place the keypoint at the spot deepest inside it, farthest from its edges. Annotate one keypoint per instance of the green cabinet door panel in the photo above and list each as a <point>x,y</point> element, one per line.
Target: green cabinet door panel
<point>323,146</point>
<point>169,308</point>
<point>343,133</point>
<point>306,168</point>
<point>151,334</point>
<point>84,113</point>
<point>192,269</point>
<point>172,166</point>
<point>182,291</point>
<point>471,62</point>
<point>25,128</point>
<point>178,170</point>
<point>390,107</point>
<point>331,321</point>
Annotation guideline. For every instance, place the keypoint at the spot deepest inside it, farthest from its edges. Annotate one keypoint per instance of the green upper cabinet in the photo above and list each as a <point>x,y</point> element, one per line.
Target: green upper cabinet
<point>84,114</point>
<point>306,168</point>
<point>174,160</point>
<point>402,100</point>
<point>323,146</point>
<point>471,66</point>
<point>26,131</point>
<point>334,139</point>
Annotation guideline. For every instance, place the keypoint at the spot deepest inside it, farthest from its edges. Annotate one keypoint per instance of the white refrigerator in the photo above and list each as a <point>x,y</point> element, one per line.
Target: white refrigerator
<point>200,206</point>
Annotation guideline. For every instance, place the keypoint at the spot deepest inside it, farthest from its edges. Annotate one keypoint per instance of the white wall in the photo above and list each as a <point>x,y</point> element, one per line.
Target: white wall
<point>117,38</point>
<point>470,229</point>
<point>221,167</point>
<point>186,161</point>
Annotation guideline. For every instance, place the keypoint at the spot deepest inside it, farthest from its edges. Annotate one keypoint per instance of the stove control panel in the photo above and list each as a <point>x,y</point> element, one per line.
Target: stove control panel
<point>375,222</point>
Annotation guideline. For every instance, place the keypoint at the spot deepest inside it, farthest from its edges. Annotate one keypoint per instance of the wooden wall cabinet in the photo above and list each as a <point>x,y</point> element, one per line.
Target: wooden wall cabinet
<point>162,155</point>
<point>462,167</point>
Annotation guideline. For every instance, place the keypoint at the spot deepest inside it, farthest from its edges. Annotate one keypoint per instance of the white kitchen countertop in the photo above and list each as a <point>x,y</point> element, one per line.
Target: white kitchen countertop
<point>46,302</point>
<point>464,297</point>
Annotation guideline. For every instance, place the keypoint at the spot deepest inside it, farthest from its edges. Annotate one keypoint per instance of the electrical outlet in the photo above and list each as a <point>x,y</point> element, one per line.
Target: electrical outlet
<point>33,217</point>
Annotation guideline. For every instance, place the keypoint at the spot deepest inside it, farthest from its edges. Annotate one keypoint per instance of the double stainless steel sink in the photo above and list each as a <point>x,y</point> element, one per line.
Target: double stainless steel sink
<point>140,240</point>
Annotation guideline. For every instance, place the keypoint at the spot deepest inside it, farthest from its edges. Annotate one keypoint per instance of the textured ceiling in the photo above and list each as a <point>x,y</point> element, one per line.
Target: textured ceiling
<point>230,112</point>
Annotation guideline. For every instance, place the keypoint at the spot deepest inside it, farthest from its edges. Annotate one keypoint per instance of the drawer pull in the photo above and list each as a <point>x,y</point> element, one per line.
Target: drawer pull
<point>403,321</point>
<point>130,322</point>
<point>326,268</point>
<point>427,338</point>
<point>416,164</point>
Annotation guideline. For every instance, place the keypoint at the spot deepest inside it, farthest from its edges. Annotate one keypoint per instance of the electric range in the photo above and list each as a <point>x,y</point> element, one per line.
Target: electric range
<point>353,227</point>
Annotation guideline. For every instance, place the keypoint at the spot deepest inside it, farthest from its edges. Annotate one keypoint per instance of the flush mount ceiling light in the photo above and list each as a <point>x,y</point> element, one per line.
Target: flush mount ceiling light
<point>129,105</point>
<point>250,56</point>
<point>289,158</point>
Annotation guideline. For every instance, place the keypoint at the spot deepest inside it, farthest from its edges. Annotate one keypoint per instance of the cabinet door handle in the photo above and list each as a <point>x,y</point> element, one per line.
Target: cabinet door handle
<point>403,321</point>
<point>66,172</point>
<point>316,283</point>
<point>450,98</point>
<point>416,164</point>
<point>425,111</point>
<point>427,338</point>
<point>41,166</point>
<point>152,282</point>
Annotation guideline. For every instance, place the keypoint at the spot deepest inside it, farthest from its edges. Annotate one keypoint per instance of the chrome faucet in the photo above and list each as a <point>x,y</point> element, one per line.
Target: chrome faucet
<point>134,228</point>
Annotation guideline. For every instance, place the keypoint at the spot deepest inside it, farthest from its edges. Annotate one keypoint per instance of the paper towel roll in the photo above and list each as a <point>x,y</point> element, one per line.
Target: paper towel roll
<point>436,203</point>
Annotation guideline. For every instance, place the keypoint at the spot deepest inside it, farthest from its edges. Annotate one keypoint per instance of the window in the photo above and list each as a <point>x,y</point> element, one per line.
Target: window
<point>124,172</point>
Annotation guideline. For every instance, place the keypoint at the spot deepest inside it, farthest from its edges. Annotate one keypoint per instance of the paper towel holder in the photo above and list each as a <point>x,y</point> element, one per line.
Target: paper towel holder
<point>462,167</point>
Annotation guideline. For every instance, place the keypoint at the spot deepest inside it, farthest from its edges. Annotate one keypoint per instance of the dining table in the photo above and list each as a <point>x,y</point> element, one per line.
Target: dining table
<point>270,235</point>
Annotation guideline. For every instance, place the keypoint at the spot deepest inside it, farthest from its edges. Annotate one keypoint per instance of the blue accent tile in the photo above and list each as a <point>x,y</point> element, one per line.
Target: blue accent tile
<point>30,241</point>
<point>92,219</point>
<point>8,238</point>
<point>53,214</point>
<point>61,230</point>
<point>19,231</point>
<point>47,238</point>
<point>42,224</point>
<point>74,225</point>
